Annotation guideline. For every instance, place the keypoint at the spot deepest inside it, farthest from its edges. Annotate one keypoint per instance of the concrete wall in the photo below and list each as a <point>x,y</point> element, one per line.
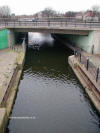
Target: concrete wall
<point>86,42</point>
<point>83,42</point>
<point>3,119</point>
<point>96,42</point>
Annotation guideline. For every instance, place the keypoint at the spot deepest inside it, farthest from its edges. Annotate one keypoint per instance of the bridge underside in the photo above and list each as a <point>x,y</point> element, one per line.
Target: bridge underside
<point>83,39</point>
<point>52,30</point>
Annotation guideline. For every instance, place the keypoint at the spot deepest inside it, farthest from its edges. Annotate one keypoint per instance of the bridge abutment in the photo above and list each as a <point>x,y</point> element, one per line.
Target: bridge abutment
<point>96,42</point>
<point>89,43</point>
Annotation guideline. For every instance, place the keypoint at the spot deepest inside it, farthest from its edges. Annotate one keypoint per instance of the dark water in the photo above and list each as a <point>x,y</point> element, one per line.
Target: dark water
<point>51,94</point>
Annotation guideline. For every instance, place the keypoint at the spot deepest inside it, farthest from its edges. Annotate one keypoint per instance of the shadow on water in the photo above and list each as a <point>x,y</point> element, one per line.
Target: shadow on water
<point>50,92</point>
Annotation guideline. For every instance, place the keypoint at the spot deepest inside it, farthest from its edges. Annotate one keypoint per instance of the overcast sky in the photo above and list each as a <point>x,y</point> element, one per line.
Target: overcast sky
<point>33,6</point>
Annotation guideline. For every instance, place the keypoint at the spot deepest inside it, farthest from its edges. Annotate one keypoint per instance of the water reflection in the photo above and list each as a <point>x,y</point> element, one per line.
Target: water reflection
<point>40,38</point>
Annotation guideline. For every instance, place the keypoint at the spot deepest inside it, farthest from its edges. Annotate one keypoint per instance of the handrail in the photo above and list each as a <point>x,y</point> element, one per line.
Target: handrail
<point>51,23</point>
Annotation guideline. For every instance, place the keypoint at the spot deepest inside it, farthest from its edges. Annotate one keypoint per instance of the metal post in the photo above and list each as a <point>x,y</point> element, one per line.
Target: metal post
<point>14,23</point>
<point>87,64</point>
<point>61,23</point>
<point>90,24</point>
<point>92,49</point>
<point>75,22</point>
<point>66,22</point>
<point>36,23</point>
<point>48,23</point>
<point>97,74</point>
<point>74,52</point>
<point>80,57</point>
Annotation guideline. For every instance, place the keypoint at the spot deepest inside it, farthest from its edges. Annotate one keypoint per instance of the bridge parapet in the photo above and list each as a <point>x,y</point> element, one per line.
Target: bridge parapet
<point>53,24</point>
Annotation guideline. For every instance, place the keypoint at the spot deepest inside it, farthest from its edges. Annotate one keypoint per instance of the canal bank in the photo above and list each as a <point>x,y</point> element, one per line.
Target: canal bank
<point>86,77</point>
<point>50,94</point>
<point>11,70</point>
<point>87,69</point>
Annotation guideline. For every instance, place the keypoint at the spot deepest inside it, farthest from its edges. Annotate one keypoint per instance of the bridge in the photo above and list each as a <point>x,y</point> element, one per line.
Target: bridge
<point>67,27</point>
<point>82,33</point>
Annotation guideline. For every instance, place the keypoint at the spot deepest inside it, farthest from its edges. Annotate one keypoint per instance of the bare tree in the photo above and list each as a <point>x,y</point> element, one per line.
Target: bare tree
<point>48,12</point>
<point>70,14</point>
<point>5,11</point>
<point>95,8</point>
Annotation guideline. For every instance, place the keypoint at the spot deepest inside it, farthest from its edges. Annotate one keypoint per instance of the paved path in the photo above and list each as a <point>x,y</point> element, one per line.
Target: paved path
<point>95,59</point>
<point>7,60</point>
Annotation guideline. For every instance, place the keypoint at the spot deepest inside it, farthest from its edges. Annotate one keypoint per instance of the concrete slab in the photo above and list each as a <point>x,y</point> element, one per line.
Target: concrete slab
<point>86,79</point>
<point>95,59</point>
<point>7,64</point>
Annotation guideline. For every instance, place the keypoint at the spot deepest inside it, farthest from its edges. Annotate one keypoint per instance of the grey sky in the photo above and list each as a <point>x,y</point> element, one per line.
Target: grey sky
<point>33,6</point>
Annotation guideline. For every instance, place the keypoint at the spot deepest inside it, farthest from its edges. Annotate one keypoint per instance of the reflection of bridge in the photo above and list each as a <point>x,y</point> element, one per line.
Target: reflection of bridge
<point>84,34</point>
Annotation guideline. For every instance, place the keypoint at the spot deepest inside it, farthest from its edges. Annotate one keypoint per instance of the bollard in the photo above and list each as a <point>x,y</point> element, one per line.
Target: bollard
<point>92,49</point>
<point>87,64</point>
<point>74,52</point>
<point>80,57</point>
<point>97,74</point>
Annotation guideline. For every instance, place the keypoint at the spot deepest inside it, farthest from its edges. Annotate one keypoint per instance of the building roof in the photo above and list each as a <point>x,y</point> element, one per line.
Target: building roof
<point>89,14</point>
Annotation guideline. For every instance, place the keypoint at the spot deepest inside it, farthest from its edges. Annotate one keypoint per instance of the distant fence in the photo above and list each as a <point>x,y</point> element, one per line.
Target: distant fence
<point>92,68</point>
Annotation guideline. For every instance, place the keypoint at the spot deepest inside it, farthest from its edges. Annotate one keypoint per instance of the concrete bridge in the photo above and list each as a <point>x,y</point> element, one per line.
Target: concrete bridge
<point>85,35</point>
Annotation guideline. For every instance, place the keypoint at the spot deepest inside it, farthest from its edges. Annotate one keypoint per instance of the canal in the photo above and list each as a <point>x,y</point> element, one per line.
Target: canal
<point>50,98</point>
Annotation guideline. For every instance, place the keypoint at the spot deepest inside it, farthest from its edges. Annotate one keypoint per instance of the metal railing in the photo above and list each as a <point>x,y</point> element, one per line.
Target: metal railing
<point>90,67</point>
<point>16,47</point>
<point>51,23</point>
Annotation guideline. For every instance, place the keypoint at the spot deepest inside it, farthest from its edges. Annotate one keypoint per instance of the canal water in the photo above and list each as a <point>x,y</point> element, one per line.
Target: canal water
<point>50,98</point>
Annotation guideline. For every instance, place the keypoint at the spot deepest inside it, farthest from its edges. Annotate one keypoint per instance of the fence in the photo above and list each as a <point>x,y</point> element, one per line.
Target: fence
<point>15,48</point>
<point>93,69</point>
<point>19,48</point>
